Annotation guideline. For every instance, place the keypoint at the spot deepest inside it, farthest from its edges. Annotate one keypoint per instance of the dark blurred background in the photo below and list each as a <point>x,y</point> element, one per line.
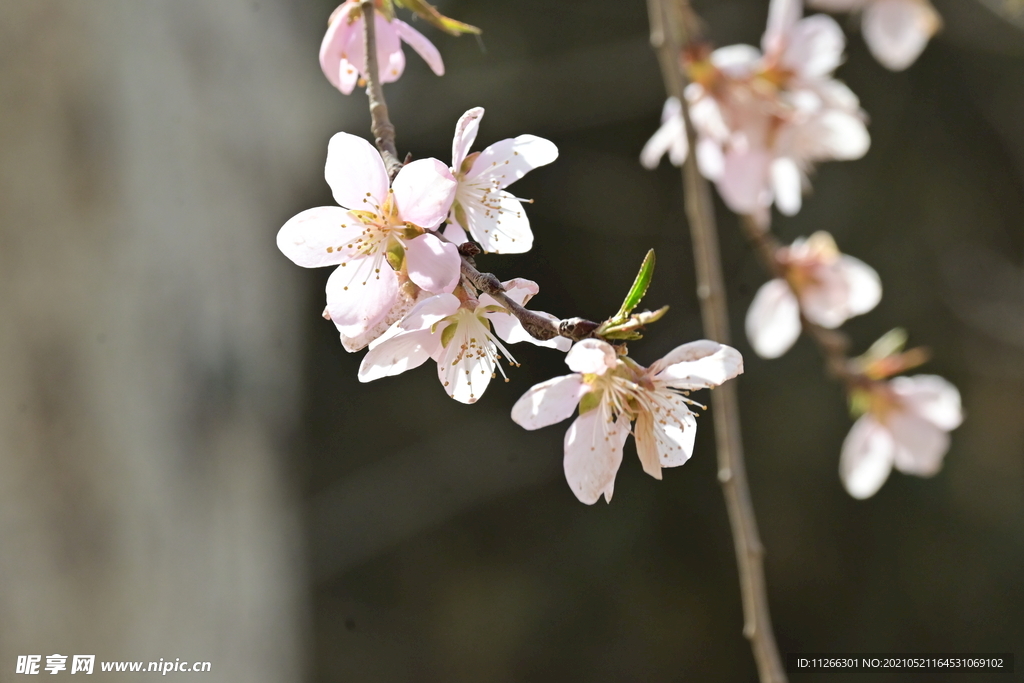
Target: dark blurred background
<point>190,467</point>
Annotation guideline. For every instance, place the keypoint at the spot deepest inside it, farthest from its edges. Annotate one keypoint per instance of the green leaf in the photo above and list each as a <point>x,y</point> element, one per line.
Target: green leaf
<point>637,291</point>
<point>890,343</point>
<point>430,14</point>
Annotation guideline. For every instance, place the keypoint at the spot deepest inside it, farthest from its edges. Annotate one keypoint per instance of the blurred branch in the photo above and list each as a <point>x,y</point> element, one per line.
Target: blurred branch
<point>1011,11</point>
<point>673,27</point>
<point>381,127</point>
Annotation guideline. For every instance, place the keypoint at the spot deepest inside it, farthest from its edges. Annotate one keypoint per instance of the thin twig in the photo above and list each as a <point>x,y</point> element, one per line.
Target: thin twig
<point>381,126</point>
<point>673,25</point>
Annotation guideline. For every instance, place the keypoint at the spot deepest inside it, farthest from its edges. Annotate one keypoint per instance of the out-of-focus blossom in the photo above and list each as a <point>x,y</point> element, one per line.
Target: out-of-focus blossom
<point>492,216</point>
<point>763,119</point>
<point>612,391</point>
<point>906,425</point>
<point>896,31</point>
<point>377,236</point>
<point>830,288</point>
<point>669,139</point>
<point>343,50</point>
<point>458,335</point>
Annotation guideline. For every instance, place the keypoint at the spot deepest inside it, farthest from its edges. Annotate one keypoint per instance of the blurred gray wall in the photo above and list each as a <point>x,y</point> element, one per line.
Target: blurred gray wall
<point>148,340</point>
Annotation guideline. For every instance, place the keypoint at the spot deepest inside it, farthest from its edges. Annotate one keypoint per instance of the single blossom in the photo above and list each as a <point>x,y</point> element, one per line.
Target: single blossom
<point>829,287</point>
<point>896,31</point>
<point>494,217</point>
<point>462,336</point>
<point>906,425</point>
<point>377,236</point>
<point>763,119</point>
<point>343,50</point>
<point>612,391</point>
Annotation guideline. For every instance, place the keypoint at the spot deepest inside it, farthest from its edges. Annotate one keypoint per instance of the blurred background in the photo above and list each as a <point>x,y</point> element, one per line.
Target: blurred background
<point>190,469</point>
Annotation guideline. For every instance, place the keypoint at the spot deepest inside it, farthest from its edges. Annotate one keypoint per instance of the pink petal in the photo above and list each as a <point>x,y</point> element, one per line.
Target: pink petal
<point>773,320</point>
<point>333,45</point>
<point>430,311</point>
<point>744,181</point>
<point>424,190</point>
<point>393,354</point>
<point>433,265</point>
<point>593,453</point>
<point>698,365</point>
<point>465,134</point>
<point>787,184</point>
<point>864,288</point>
<point>501,230</point>
<point>520,290</point>
<point>866,458</point>
<point>920,444</point>
<point>815,47</point>
<point>358,297</point>
<point>348,78</point>
<point>591,356</point>
<point>356,173</point>
<point>507,161</point>
<point>454,233</point>
<point>392,69</point>
<point>417,41</point>
<point>316,237</point>
<point>931,397</point>
<point>354,52</point>
<point>549,402</point>
<point>825,302</point>
<point>390,60</point>
<point>782,19</point>
<point>897,31</point>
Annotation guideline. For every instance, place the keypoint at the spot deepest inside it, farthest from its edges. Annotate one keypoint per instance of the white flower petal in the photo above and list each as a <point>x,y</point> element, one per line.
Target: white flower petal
<point>498,222</point>
<point>549,402</point>
<point>355,173</point>
<point>897,31</point>
<point>429,311</point>
<point>920,444</point>
<point>670,137</point>
<point>710,158</point>
<point>395,352</point>
<point>507,161</point>
<point>864,288</point>
<point>316,237</point>
<point>465,134</point>
<point>676,435</point>
<point>593,453</point>
<point>432,264</point>
<point>455,234</point>
<point>787,183</point>
<point>834,134</point>
<point>358,297</point>
<point>867,458</point>
<point>509,329</point>
<point>783,16</point>
<point>419,42</point>
<point>815,46</point>
<point>591,356</point>
<point>737,61</point>
<point>520,290</point>
<point>697,365</point>
<point>836,6</point>
<point>465,366</point>
<point>744,181</point>
<point>932,397</point>
<point>424,191</point>
<point>773,320</point>
<point>646,444</point>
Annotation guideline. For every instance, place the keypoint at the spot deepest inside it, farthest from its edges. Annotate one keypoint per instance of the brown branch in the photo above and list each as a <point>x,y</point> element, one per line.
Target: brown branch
<point>673,27</point>
<point>381,126</point>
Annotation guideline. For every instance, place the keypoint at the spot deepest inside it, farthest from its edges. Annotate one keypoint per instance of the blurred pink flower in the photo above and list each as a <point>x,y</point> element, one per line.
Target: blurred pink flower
<point>458,335</point>
<point>832,288</point>
<point>611,392</point>
<point>896,31</point>
<point>907,425</point>
<point>376,230</point>
<point>343,50</point>
<point>492,216</point>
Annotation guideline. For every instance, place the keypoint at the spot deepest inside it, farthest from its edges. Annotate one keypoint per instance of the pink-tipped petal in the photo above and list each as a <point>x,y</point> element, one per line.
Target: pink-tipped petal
<point>424,190</point>
<point>815,47</point>
<point>698,365</point>
<point>593,453</point>
<point>920,444</point>
<point>465,134</point>
<point>932,397</point>
<point>773,320</point>
<point>359,297</point>
<point>864,288</point>
<point>501,229</point>
<point>591,356</point>
<point>355,173</point>
<point>897,31</point>
<point>433,265</point>
<point>417,41</point>
<point>393,354</point>
<point>316,237</point>
<point>508,160</point>
<point>549,402</point>
<point>866,458</point>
